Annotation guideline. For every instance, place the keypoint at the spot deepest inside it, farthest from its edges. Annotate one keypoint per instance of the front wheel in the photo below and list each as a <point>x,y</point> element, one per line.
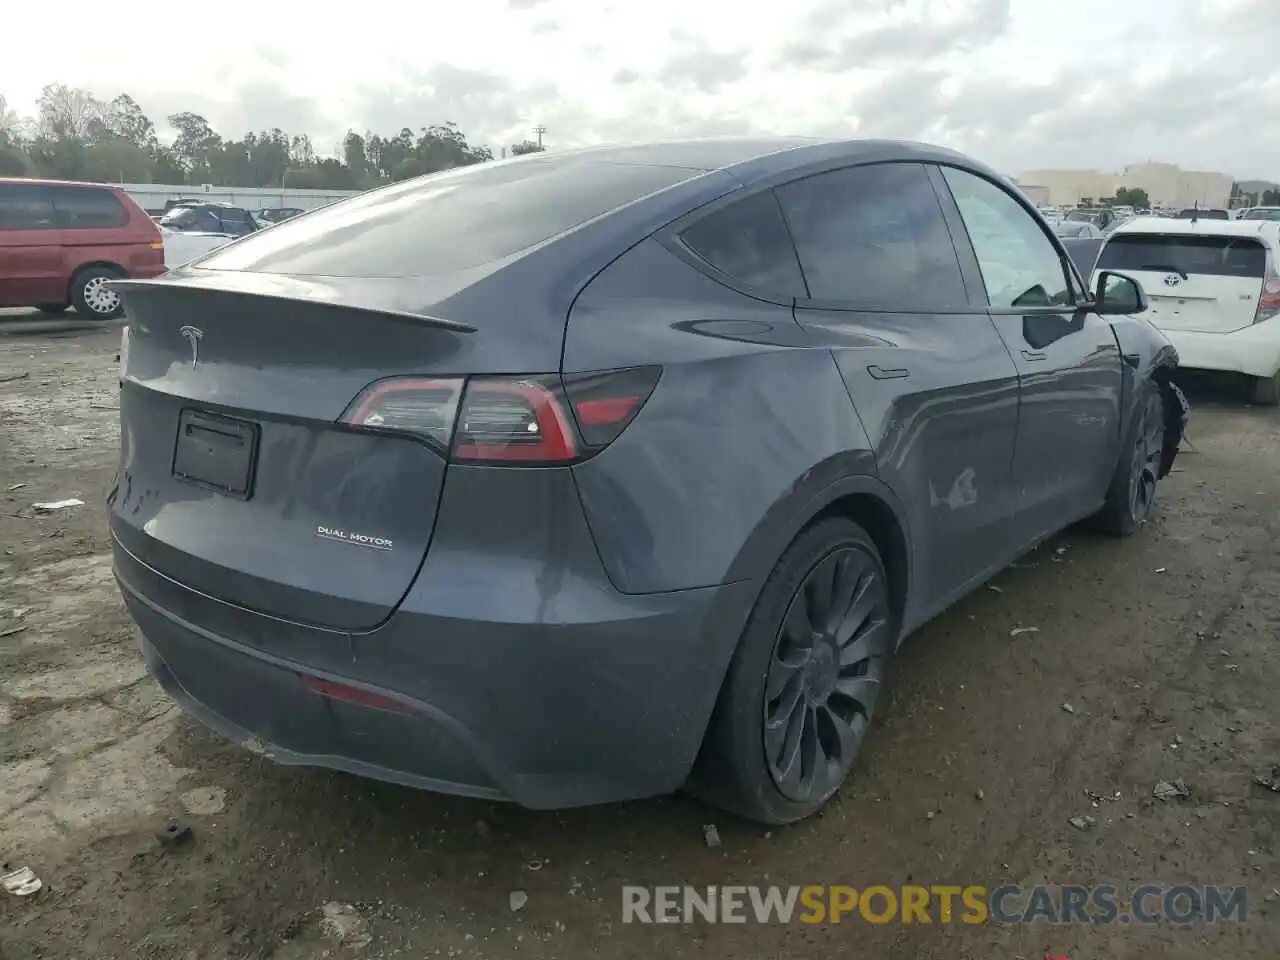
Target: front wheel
<point>803,684</point>
<point>1131,498</point>
<point>91,295</point>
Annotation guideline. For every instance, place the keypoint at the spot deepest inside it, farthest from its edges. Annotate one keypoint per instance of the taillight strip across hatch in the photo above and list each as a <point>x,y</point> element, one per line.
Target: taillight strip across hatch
<point>529,420</point>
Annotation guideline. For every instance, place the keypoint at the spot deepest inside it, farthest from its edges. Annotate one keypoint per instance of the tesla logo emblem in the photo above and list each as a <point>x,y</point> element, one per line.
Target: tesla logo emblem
<point>194,336</point>
<point>1172,280</point>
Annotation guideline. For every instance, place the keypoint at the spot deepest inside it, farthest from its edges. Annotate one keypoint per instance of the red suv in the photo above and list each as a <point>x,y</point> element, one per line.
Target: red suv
<point>60,244</point>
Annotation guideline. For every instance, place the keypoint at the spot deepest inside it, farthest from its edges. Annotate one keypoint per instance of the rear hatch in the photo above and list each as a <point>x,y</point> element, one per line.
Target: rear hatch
<point>244,475</point>
<point>1194,282</point>
<point>237,478</point>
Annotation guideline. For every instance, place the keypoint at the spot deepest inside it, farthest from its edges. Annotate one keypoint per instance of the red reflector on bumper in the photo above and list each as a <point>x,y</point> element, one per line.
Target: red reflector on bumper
<point>347,694</point>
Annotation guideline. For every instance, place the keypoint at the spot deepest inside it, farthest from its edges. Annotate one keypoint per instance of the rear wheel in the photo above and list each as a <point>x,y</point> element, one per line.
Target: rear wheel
<point>804,681</point>
<point>91,296</point>
<point>53,309</point>
<point>1266,390</point>
<point>1132,495</point>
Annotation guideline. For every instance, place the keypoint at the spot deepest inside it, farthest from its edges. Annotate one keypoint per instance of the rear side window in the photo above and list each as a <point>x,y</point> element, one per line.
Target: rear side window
<point>25,207</point>
<point>1207,256</point>
<point>874,237</point>
<point>748,241</point>
<point>81,208</point>
<point>448,221</point>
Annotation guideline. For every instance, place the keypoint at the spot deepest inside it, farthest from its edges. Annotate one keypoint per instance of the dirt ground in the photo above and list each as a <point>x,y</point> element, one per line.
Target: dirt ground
<point>1163,646</point>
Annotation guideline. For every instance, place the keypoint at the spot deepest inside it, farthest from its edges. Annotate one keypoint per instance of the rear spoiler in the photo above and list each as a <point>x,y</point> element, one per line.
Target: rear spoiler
<point>357,294</point>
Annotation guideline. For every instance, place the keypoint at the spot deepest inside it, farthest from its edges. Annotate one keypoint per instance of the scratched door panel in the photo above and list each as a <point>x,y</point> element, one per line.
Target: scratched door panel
<point>938,398</point>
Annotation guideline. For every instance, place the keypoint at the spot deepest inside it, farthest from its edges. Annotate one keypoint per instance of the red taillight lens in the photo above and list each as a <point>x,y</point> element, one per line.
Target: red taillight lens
<point>525,421</point>
<point>528,421</point>
<point>425,407</point>
<point>604,403</point>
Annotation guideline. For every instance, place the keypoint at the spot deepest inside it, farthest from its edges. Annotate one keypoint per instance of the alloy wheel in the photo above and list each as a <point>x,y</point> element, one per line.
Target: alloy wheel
<point>825,674</point>
<point>1148,447</point>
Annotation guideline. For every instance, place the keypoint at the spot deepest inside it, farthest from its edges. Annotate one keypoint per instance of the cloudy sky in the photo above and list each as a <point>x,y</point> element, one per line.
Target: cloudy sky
<point>1018,83</point>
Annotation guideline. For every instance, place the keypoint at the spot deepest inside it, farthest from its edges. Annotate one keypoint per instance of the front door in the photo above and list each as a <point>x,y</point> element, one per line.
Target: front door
<point>927,371</point>
<point>1068,359</point>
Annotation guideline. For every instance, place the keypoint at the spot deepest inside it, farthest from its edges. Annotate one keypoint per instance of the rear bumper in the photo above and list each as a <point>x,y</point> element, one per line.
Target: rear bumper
<point>548,715</point>
<point>1252,350</point>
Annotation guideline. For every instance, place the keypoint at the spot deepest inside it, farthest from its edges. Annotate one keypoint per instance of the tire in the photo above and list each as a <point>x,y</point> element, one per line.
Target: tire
<point>1266,390</point>
<point>786,686</point>
<point>1131,498</point>
<point>53,309</point>
<point>91,300</point>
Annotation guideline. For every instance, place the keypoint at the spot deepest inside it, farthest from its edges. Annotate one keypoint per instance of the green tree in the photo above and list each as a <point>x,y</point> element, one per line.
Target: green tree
<point>1133,197</point>
<point>1271,198</point>
<point>526,146</point>
<point>196,145</point>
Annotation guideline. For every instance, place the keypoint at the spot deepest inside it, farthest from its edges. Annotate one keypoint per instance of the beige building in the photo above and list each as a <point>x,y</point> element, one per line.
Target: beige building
<point>1166,185</point>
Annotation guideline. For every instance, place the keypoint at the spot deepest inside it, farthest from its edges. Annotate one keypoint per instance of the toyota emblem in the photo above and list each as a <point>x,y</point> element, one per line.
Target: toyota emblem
<point>1172,280</point>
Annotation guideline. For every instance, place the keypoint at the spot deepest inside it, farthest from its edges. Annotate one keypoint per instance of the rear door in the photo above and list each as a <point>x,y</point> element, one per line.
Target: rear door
<point>1068,359</point>
<point>928,374</point>
<point>1197,282</point>
<point>31,269</point>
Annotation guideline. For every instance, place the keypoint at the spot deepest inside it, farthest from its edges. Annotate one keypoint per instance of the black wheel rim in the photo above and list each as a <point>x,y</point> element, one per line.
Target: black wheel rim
<point>825,674</point>
<point>1147,450</point>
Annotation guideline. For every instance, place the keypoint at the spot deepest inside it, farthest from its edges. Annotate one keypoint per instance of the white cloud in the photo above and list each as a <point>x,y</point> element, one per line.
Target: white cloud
<point>1018,83</point>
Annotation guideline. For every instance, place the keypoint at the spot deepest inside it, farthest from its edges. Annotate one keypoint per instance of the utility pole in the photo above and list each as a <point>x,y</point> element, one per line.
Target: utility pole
<point>539,130</point>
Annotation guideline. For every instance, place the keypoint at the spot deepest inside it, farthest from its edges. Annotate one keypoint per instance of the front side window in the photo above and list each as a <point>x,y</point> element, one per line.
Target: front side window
<point>748,241</point>
<point>25,207</point>
<point>873,237</point>
<point>1020,265</point>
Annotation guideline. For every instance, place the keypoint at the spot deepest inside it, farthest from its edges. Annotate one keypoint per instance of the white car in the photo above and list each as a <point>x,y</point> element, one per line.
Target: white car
<point>1213,288</point>
<point>182,246</point>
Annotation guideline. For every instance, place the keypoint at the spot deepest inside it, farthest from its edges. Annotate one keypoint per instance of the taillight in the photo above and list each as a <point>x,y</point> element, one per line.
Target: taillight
<point>534,420</point>
<point>604,403</point>
<point>1269,302</point>
<point>525,421</point>
<point>425,407</point>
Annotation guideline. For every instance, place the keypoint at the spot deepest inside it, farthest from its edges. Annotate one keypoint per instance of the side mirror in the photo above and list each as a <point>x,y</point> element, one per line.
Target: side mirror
<point>1117,294</point>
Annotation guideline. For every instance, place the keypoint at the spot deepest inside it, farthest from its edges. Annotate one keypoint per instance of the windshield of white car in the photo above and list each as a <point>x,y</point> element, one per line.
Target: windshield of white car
<point>1262,213</point>
<point>1085,216</point>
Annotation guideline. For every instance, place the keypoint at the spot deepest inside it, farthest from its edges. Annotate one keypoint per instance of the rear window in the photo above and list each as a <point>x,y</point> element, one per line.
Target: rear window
<point>81,208</point>
<point>1207,256</point>
<point>1191,213</point>
<point>1263,213</point>
<point>748,240</point>
<point>448,221</point>
<point>25,206</point>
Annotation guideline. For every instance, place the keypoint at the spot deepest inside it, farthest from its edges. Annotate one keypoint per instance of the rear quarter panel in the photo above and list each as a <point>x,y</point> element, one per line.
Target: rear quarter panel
<point>747,423</point>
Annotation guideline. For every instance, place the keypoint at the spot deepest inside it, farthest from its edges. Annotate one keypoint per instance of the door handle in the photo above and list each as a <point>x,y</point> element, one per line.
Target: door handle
<point>1033,355</point>
<point>1133,359</point>
<point>882,373</point>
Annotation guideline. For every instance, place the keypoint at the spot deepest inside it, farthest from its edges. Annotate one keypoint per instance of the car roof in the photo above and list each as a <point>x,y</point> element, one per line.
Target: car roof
<point>41,182</point>
<point>1206,226</point>
<point>749,158</point>
<point>1267,231</point>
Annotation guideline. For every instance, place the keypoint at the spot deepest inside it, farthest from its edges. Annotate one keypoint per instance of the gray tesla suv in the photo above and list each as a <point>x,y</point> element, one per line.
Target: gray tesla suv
<point>589,475</point>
